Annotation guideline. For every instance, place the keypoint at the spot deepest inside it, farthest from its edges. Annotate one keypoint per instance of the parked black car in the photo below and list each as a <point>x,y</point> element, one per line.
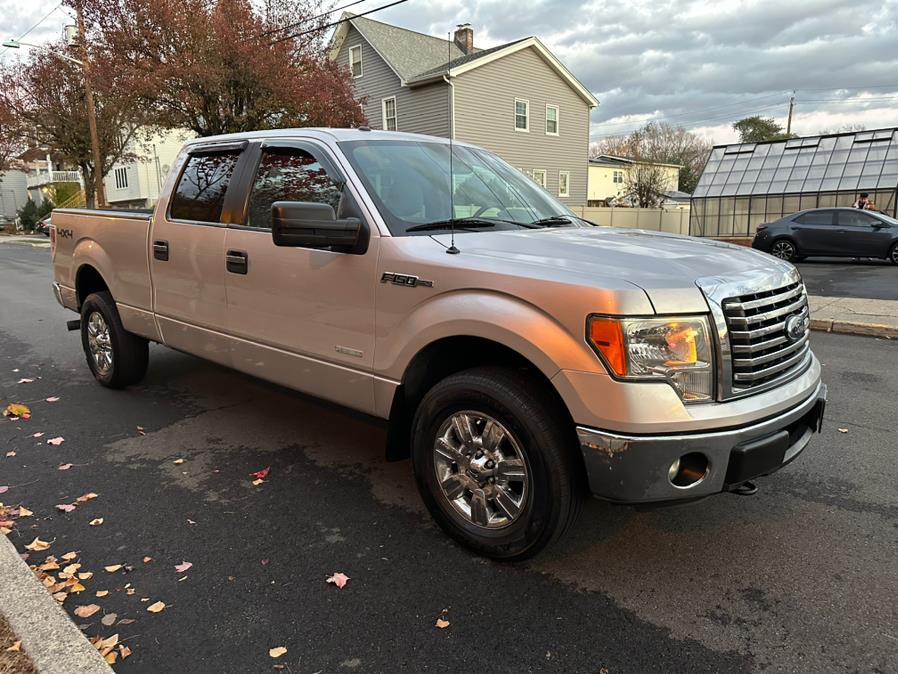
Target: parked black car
<point>43,227</point>
<point>830,232</point>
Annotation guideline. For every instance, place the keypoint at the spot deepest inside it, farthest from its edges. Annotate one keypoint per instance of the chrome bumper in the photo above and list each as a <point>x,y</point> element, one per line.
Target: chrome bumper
<point>634,469</point>
<point>66,297</point>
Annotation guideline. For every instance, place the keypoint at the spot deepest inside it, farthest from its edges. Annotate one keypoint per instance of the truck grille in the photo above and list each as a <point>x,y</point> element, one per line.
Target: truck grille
<point>764,349</point>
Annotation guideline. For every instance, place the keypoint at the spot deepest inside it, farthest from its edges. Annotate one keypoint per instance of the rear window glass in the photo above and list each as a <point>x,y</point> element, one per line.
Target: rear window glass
<point>815,218</point>
<point>201,190</point>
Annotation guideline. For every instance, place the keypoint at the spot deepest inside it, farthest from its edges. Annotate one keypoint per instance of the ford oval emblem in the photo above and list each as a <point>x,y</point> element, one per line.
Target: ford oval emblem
<point>796,326</point>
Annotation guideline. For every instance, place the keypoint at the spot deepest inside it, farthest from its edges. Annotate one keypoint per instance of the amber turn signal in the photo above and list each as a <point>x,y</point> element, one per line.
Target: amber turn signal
<point>608,337</point>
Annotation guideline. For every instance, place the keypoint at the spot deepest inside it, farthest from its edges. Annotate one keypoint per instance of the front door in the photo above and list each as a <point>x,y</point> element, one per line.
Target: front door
<point>187,254</point>
<point>863,234</point>
<point>302,317</point>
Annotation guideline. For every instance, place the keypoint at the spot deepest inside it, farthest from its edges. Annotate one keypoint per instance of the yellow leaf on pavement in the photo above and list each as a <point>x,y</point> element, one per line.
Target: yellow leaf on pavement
<point>16,647</point>
<point>86,497</point>
<point>442,624</point>
<point>17,410</point>
<point>86,611</point>
<point>37,545</point>
<point>24,512</point>
<point>87,575</point>
<point>60,596</point>
<point>102,593</point>
<point>96,522</point>
<point>124,651</point>
<point>277,652</point>
<point>111,657</point>
<point>157,607</point>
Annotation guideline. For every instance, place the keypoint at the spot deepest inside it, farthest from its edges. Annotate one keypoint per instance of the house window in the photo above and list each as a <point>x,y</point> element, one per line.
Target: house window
<point>618,177</point>
<point>121,178</point>
<point>355,60</point>
<point>521,115</point>
<point>389,113</point>
<point>539,177</point>
<point>551,120</point>
<point>564,183</point>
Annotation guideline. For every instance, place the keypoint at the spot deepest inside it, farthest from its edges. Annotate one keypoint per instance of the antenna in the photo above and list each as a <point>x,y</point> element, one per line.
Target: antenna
<point>451,250</point>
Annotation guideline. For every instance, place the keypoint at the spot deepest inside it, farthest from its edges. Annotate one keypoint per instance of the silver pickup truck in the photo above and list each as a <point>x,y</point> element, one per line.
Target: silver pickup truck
<point>523,357</point>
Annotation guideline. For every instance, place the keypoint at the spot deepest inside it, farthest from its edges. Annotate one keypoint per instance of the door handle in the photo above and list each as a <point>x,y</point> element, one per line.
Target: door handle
<point>237,262</point>
<point>160,250</point>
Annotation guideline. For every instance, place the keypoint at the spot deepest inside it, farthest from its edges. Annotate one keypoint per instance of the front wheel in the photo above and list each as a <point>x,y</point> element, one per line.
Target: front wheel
<point>784,250</point>
<point>116,357</point>
<point>893,254</point>
<point>495,463</point>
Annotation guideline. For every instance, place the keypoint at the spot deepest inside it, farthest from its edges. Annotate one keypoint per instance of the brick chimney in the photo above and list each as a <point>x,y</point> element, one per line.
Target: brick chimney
<point>464,37</point>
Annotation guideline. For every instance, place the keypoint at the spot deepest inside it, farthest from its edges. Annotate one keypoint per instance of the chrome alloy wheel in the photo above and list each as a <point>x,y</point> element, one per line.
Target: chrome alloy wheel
<point>99,342</point>
<point>481,469</point>
<point>783,250</point>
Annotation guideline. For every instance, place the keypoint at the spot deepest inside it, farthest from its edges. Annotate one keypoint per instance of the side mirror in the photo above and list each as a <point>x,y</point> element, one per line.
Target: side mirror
<point>880,225</point>
<point>309,224</point>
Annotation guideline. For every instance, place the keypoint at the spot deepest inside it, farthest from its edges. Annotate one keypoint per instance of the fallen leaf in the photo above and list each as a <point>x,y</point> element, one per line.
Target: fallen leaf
<point>49,565</point>
<point>96,522</point>
<point>86,611</point>
<point>56,441</point>
<point>442,624</point>
<point>10,453</point>
<point>257,482</point>
<point>147,560</point>
<point>15,648</point>
<point>87,575</point>
<point>60,596</point>
<point>38,435</point>
<point>53,399</point>
<point>182,579</point>
<point>102,593</point>
<point>157,607</point>
<point>37,545</point>
<point>262,474</point>
<point>25,380</point>
<point>108,642</point>
<point>338,579</point>
<point>64,466</point>
<point>123,650</point>
<point>111,657</point>
<point>130,592</point>
<point>112,568</point>
<point>126,621</point>
<point>183,566</point>
<point>24,512</point>
<point>76,587</point>
<point>86,497</point>
<point>843,430</point>
<point>17,410</point>
<point>109,619</point>
<point>66,507</point>
<point>277,652</point>
<point>70,570</point>
<point>70,556</point>
<point>264,562</point>
<point>190,521</point>
<point>4,489</point>
<point>178,462</point>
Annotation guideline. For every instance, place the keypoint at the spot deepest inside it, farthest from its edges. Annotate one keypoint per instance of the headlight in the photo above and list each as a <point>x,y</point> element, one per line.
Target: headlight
<point>676,350</point>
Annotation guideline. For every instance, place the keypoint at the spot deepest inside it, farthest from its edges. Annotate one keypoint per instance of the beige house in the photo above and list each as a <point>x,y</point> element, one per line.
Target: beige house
<point>137,183</point>
<point>608,178</point>
<point>516,99</point>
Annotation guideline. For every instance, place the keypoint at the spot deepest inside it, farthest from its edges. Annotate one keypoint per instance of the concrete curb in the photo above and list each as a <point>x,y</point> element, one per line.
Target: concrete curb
<point>855,328</point>
<point>54,643</point>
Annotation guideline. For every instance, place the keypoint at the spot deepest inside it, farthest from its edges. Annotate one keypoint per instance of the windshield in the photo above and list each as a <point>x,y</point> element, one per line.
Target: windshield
<point>409,182</point>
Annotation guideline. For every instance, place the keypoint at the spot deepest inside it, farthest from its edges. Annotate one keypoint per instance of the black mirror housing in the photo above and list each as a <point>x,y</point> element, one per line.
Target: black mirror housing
<point>307,224</point>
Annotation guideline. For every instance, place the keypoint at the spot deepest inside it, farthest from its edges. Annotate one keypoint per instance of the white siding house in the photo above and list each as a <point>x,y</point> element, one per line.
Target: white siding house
<point>136,184</point>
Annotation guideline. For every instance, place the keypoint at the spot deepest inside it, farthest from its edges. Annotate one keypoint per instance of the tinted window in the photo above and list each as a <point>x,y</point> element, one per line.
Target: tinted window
<point>289,174</point>
<point>201,190</point>
<point>856,219</point>
<point>815,218</point>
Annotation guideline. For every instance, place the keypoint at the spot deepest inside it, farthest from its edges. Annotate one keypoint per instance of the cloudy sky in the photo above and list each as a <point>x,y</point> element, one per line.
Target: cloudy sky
<point>697,64</point>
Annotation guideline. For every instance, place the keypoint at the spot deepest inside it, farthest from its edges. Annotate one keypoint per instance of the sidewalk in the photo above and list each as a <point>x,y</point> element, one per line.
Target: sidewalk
<point>33,239</point>
<point>876,318</point>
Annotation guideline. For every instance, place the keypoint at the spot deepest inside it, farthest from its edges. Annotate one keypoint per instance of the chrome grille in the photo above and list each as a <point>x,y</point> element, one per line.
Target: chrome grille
<point>762,349</point>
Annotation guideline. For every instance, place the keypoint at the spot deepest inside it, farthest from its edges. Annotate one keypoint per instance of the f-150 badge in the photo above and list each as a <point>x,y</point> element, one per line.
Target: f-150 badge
<point>406,280</point>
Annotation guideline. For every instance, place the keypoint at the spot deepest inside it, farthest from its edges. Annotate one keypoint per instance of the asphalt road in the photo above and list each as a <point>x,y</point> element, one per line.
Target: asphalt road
<point>846,277</point>
<point>801,577</point>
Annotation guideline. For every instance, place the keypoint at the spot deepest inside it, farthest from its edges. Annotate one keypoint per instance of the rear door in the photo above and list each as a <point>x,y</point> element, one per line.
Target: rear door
<point>863,234</point>
<point>815,232</point>
<point>187,253</point>
<point>302,317</point>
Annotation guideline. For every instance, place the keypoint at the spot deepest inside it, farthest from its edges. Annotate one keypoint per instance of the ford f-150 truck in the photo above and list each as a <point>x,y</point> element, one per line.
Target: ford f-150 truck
<point>523,357</point>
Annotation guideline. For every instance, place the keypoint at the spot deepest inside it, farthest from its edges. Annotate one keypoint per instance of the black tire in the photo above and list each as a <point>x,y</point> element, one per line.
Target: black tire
<point>128,353</point>
<point>534,421</point>
<point>893,254</point>
<point>784,249</point>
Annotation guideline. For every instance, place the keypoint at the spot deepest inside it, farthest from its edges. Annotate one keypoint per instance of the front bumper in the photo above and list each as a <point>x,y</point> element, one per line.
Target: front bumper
<point>634,468</point>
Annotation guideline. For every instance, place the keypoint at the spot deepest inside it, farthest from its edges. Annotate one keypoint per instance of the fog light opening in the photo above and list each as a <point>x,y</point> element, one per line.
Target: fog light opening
<point>688,470</point>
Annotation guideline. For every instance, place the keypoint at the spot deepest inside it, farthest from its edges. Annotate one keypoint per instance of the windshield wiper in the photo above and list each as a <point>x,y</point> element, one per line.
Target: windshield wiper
<point>563,219</point>
<point>461,223</point>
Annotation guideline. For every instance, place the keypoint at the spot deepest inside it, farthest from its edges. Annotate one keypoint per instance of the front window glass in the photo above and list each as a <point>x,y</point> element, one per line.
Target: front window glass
<point>521,115</point>
<point>409,182</point>
<point>856,219</point>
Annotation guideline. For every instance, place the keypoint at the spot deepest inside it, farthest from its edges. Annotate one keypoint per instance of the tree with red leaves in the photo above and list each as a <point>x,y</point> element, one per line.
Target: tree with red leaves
<point>221,66</point>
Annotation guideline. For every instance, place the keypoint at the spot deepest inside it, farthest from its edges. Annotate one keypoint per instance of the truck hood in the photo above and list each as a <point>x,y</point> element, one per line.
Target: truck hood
<point>665,266</point>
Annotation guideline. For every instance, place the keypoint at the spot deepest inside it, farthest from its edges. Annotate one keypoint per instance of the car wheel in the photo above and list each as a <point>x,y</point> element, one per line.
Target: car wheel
<point>783,249</point>
<point>893,254</point>
<point>495,465</point>
<point>115,356</point>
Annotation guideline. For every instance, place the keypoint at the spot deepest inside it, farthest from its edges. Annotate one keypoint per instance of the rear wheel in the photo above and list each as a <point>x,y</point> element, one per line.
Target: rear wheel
<point>495,464</point>
<point>893,254</point>
<point>784,250</point>
<point>115,356</point>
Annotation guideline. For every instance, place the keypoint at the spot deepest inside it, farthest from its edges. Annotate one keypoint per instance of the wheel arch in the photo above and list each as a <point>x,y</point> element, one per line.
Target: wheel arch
<point>88,280</point>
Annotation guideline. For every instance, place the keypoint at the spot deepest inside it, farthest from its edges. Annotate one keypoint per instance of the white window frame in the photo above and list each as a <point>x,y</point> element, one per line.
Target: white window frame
<point>614,174</point>
<point>121,178</point>
<point>526,115</point>
<point>567,183</point>
<point>352,62</point>
<point>383,112</point>
<point>557,120</point>
<point>544,183</point>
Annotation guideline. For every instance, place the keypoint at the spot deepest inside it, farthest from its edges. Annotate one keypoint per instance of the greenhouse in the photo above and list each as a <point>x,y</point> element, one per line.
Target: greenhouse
<point>747,184</point>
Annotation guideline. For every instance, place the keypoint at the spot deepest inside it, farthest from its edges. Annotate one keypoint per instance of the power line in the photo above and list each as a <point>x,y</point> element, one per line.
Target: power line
<point>335,23</point>
<point>311,18</point>
<point>25,34</point>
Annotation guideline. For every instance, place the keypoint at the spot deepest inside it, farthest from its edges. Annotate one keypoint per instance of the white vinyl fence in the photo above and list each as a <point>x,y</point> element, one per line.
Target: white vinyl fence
<point>657,219</point>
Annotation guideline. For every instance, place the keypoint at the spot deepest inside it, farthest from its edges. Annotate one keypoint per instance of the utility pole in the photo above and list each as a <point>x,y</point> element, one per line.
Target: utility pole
<point>791,108</point>
<point>99,192</point>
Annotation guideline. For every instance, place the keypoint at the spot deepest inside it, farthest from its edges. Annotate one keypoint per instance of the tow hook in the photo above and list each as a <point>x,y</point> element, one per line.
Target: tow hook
<point>73,325</point>
<point>744,489</point>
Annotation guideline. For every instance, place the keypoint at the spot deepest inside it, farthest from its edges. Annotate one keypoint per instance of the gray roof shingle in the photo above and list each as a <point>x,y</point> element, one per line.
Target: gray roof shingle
<point>462,60</point>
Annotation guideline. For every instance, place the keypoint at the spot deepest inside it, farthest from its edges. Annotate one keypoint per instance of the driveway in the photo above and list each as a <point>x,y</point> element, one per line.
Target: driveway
<point>845,277</point>
<point>799,578</point>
